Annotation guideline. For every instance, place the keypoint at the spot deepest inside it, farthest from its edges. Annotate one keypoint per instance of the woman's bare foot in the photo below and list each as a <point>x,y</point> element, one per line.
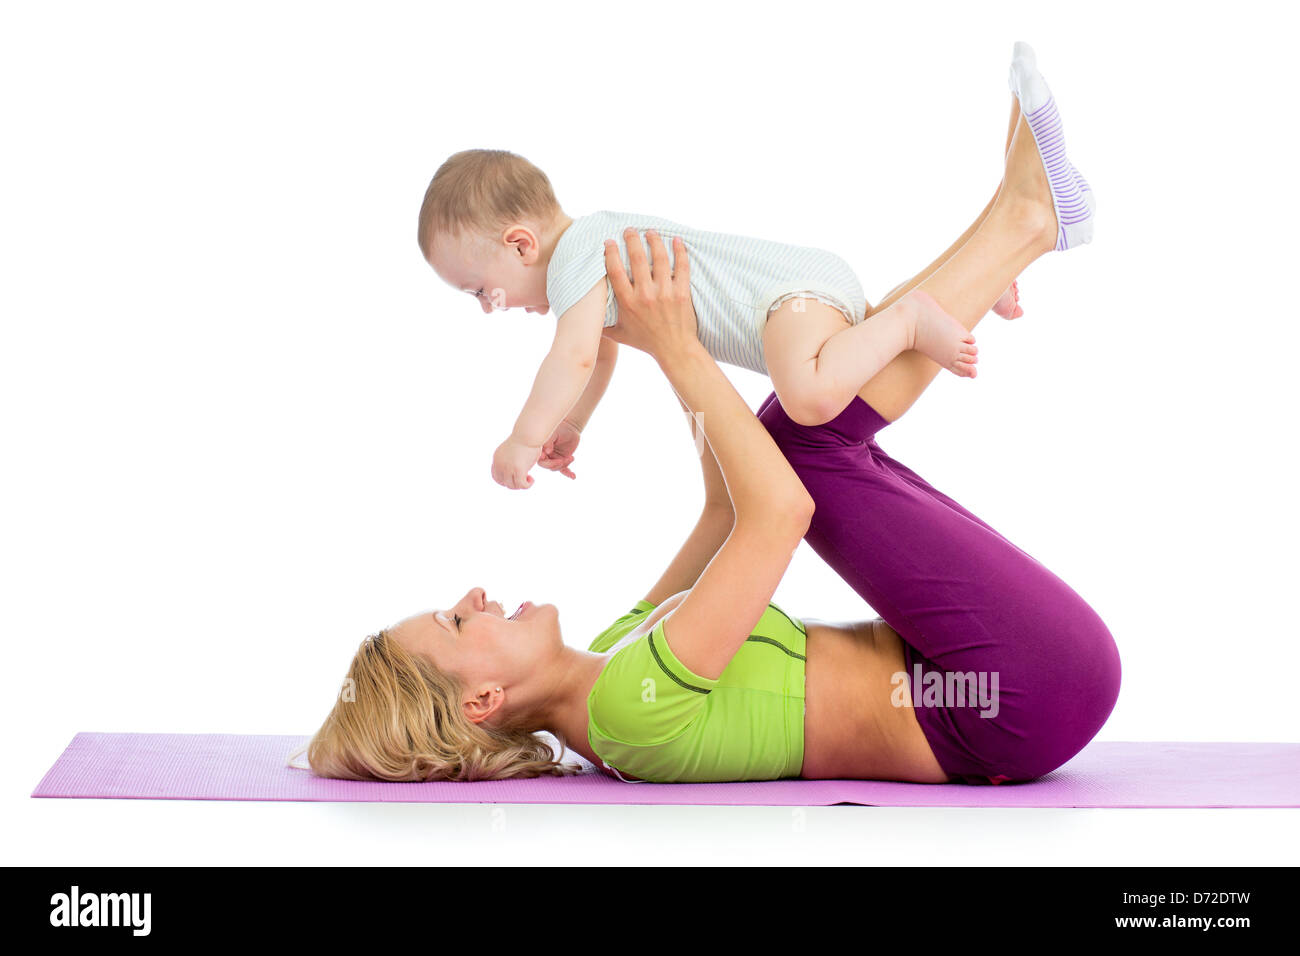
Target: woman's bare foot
<point>937,335</point>
<point>1009,305</point>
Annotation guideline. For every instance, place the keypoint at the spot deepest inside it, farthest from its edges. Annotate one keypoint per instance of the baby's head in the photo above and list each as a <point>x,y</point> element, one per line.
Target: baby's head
<point>488,225</point>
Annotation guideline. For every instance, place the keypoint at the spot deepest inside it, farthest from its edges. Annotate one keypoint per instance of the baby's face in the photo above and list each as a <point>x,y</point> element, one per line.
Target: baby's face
<point>502,272</point>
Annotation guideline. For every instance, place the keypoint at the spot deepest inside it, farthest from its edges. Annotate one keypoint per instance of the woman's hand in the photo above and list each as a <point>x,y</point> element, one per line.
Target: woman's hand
<point>655,313</point>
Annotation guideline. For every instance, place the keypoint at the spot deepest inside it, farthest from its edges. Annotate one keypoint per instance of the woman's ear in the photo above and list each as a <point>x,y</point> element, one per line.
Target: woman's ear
<point>480,708</point>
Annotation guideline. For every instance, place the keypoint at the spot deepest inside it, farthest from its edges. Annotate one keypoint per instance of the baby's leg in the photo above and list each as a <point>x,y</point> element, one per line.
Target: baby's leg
<point>818,362</point>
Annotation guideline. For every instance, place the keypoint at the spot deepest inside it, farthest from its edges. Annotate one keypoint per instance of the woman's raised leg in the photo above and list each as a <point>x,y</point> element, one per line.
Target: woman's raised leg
<point>899,291</point>
<point>1020,226</point>
<point>811,374</point>
<point>1009,670</point>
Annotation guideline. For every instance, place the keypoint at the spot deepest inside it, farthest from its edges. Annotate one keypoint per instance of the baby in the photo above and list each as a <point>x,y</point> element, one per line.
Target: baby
<point>490,226</point>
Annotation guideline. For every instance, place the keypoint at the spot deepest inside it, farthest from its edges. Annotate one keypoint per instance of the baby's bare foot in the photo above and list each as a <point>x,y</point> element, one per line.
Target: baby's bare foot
<point>940,337</point>
<point>1009,305</point>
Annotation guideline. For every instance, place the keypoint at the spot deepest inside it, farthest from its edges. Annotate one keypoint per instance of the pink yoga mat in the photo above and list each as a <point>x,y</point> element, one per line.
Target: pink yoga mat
<point>1104,774</point>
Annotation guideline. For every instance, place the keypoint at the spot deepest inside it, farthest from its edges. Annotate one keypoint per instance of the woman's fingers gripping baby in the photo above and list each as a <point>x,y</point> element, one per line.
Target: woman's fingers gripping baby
<point>655,312</point>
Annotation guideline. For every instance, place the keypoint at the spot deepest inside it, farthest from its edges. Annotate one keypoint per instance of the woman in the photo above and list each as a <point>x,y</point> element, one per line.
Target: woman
<point>985,668</point>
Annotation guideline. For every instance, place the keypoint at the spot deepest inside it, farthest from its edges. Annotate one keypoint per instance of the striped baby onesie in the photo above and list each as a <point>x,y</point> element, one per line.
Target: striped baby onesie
<point>734,279</point>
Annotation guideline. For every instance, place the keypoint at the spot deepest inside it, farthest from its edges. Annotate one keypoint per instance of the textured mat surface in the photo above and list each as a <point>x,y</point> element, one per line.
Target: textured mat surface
<point>252,767</point>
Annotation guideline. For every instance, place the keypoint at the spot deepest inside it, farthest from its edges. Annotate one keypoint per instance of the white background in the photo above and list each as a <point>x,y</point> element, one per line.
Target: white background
<point>245,425</point>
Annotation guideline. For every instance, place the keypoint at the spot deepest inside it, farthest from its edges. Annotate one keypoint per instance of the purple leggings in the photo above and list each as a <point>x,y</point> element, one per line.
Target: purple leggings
<point>967,603</point>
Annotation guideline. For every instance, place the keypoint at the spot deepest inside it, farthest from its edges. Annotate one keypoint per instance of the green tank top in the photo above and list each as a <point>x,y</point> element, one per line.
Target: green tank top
<point>649,716</point>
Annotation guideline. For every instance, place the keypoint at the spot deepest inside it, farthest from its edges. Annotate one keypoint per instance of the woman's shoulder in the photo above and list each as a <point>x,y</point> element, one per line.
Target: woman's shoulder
<point>642,669</point>
<point>645,615</point>
<point>622,626</point>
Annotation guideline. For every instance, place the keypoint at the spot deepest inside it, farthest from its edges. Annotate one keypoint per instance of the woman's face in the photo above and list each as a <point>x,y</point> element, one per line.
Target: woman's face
<point>477,642</point>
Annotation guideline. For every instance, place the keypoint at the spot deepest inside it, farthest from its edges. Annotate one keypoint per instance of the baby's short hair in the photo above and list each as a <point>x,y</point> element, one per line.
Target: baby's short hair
<point>480,191</point>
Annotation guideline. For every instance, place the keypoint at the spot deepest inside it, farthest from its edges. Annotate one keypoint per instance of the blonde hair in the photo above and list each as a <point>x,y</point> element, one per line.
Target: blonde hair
<point>399,718</point>
<point>481,191</point>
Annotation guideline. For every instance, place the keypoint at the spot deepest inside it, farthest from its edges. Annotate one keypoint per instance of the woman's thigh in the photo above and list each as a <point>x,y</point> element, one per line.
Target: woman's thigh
<point>1011,672</point>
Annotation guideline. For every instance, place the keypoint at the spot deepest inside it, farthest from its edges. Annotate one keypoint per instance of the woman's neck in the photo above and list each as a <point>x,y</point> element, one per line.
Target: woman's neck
<point>563,712</point>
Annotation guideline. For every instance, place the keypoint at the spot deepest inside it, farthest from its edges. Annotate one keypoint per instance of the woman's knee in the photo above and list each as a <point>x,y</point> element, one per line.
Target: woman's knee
<point>1070,717</point>
<point>1100,673</point>
<point>1097,676</point>
<point>1110,678</point>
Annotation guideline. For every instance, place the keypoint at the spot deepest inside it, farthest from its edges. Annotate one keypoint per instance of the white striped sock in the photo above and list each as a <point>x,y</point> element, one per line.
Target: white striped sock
<point>1071,195</point>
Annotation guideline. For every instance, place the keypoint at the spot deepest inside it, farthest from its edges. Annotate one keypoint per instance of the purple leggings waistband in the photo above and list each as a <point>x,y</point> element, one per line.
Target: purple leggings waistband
<point>991,630</point>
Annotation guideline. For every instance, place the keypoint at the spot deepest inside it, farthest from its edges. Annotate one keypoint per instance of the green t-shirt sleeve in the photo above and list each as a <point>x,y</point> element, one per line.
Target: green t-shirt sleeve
<point>645,695</point>
<point>616,631</point>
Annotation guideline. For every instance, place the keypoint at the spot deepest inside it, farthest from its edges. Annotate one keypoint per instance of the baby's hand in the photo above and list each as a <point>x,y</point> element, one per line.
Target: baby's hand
<point>511,462</point>
<point>557,453</point>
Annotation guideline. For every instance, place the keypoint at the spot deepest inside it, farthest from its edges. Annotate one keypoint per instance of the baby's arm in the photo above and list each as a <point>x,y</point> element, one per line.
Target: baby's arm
<point>560,382</point>
<point>580,413</point>
<point>559,449</point>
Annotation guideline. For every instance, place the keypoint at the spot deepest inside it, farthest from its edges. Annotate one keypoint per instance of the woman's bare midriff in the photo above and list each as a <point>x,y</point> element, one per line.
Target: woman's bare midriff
<point>852,730</point>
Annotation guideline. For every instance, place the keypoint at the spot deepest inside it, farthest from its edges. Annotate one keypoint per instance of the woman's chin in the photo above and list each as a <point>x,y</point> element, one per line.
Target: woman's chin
<point>531,611</point>
<point>551,614</point>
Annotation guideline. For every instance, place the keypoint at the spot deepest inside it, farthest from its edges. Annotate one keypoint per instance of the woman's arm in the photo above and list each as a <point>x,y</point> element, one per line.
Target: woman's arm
<point>772,508</point>
<point>715,523</point>
<point>715,486</point>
